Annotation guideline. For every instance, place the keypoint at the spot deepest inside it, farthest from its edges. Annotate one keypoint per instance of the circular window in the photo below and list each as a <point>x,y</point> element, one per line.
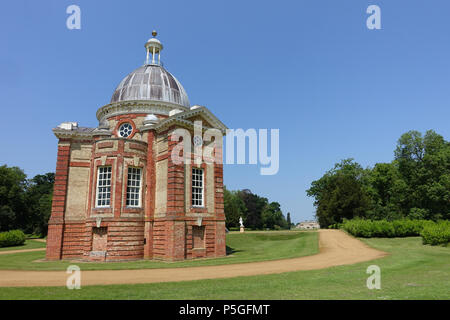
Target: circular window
<point>125,130</point>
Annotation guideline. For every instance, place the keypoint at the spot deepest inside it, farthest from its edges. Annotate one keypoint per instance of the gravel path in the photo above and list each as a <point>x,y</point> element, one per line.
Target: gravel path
<point>23,250</point>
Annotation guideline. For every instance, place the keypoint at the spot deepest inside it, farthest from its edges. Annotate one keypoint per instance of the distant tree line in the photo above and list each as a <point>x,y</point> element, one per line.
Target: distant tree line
<point>416,184</point>
<point>25,204</point>
<point>256,212</point>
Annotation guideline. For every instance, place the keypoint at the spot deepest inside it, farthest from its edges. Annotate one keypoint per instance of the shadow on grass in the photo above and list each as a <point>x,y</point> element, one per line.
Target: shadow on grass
<point>231,250</point>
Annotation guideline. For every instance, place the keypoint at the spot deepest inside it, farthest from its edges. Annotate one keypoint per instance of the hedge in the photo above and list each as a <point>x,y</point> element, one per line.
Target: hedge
<point>12,238</point>
<point>433,233</point>
<point>382,228</point>
<point>437,233</point>
<point>335,226</point>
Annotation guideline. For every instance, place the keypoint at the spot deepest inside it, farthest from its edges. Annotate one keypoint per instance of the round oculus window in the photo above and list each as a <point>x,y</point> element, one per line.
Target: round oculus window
<point>125,130</point>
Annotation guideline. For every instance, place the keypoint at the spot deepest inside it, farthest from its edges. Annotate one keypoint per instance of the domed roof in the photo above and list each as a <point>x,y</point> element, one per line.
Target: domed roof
<point>151,82</point>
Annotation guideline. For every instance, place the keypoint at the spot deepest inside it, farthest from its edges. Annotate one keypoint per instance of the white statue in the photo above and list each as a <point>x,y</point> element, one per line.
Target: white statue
<point>241,222</point>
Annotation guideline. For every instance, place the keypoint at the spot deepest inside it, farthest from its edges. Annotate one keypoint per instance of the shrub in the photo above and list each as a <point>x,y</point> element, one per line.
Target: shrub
<point>385,229</point>
<point>359,227</point>
<point>12,238</point>
<point>409,228</point>
<point>436,233</point>
<point>382,229</point>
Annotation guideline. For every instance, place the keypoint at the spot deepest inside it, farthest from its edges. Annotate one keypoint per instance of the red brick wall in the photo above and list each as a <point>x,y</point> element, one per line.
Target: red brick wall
<point>214,239</point>
<point>220,243</point>
<point>125,240</point>
<point>74,238</point>
<point>159,239</point>
<point>198,235</point>
<point>99,239</point>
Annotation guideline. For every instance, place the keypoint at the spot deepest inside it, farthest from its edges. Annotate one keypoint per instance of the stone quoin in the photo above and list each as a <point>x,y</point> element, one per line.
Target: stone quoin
<point>118,195</point>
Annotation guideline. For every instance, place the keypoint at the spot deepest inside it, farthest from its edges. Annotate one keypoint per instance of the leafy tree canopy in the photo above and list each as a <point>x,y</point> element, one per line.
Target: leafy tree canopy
<point>25,204</point>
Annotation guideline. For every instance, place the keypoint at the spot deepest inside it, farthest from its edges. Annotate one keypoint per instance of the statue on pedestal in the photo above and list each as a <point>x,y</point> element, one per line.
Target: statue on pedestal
<point>241,224</point>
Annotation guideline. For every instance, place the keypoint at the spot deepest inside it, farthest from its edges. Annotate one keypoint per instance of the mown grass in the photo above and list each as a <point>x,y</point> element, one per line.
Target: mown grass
<point>241,248</point>
<point>29,244</point>
<point>411,271</point>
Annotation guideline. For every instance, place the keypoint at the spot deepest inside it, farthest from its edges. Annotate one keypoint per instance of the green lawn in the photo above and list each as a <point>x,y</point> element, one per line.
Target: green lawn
<point>246,247</point>
<point>29,244</point>
<point>412,271</point>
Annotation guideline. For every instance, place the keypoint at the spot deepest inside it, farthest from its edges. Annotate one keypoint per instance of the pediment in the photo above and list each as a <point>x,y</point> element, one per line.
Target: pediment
<point>188,118</point>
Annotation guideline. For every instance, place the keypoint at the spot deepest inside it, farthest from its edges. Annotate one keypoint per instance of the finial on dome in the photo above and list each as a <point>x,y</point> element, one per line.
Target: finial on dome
<point>153,47</point>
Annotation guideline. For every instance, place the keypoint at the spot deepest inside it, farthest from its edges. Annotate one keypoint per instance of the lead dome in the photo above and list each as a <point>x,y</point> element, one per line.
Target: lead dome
<point>151,82</point>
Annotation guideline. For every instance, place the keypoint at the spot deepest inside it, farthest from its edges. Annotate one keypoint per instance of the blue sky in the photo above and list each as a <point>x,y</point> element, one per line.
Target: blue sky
<point>309,68</point>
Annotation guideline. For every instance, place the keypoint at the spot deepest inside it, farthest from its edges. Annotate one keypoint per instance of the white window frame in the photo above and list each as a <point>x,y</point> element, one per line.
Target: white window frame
<point>120,132</point>
<point>138,186</point>
<point>198,203</point>
<point>97,193</point>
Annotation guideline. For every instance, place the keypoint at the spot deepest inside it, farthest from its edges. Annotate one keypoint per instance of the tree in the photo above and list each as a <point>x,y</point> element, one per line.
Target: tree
<point>12,198</point>
<point>234,208</point>
<point>340,193</point>
<point>272,217</point>
<point>255,205</point>
<point>288,220</point>
<point>25,204</point>
<point>424,164</point>
<point>387,189</point>
<point>39,198</point>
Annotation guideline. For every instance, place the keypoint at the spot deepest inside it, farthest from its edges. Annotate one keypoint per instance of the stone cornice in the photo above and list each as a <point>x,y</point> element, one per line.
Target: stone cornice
<point>67,134</point>
<point>182,120</point>
<point>79,135</point>
<point>137,106</point>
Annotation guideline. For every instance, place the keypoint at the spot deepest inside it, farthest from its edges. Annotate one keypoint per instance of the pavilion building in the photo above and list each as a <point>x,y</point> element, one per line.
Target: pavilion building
<point>118,193</point>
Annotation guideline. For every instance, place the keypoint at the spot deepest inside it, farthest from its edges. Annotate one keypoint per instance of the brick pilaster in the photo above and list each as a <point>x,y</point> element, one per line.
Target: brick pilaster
<point>118,181</point>
<point>220,242</point>
<point>150,177</point>
<point>220,236</point>
<point>175,185</point>
<point>218,191</point>
<point>56,222</point>
<point>150,193</point>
